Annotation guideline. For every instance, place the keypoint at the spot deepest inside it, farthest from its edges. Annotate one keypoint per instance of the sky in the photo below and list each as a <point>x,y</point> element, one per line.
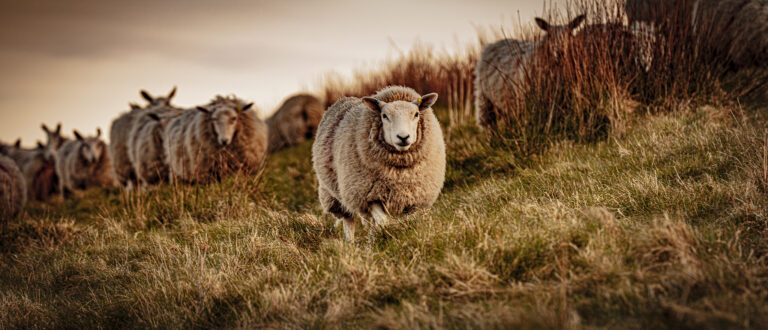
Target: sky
<point>81,62</point>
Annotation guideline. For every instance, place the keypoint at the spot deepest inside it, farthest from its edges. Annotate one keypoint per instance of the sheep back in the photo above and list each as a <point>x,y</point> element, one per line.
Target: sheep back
<point>499,78</point>
<point>13,191</point>
<point>294,122</point>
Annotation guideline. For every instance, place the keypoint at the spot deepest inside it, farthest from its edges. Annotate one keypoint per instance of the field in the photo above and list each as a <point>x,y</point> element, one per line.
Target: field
<point>613,197</point>
<point>662,226</point>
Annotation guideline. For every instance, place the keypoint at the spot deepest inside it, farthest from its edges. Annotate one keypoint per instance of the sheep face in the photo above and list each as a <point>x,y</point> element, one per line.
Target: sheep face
<point>157,101</point>
<point>558,39</point>
<point>55,140</point>
<point>400,119</point>
<point>91,149</point>
<point>224,125</point>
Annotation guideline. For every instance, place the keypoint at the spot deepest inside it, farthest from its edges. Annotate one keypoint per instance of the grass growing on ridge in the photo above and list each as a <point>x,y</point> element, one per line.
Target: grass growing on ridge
<point>663,226</point>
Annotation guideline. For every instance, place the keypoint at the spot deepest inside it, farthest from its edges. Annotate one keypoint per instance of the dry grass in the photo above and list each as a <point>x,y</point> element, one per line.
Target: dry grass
<point>662,227</point>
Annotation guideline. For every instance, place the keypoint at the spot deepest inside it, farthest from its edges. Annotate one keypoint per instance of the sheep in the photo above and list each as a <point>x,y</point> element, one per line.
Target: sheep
<point>294,122</point>
<point>501,71</point>
<point>82,163</point>
<point>145,146</point>
<point>13,191</point>
<point>38,167</point>
<point>379,156</point>
<point>739,27</point>
<point>119,135</point>
<point>629,46</point>
<point>215,140</point>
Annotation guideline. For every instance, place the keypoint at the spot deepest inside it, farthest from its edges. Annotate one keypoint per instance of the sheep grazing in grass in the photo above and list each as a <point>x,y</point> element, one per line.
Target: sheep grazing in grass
<point>502,69</point>
<point>294,122</point>
<point>119,135</point>
<point>83,162</point>
<point>220,138</point>
<point>13,190</point>
<point>379,156</point>
<point>145,147</point>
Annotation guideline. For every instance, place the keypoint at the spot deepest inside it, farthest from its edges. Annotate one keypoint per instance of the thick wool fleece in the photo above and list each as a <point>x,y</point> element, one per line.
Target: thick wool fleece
<point>356,168</point>
<point>13,191</point>
<point>76,173</point>
<point>145,145</point>
<point>39,172</point>
<point>499,78</point>
<point>119,134</point>
<point>294,122</point>
<point>194,154</point>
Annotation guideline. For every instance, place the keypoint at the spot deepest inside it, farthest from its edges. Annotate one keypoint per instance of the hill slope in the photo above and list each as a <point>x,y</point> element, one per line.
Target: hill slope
<point>663,226</point>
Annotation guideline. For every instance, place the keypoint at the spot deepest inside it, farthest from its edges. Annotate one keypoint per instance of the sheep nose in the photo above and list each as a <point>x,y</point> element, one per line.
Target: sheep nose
<point>224,142</point>
<point>403,139</point>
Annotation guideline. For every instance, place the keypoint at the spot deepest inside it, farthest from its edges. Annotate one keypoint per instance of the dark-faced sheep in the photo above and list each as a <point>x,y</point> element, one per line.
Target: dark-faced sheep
<point>215,140</point>
<point>502,69</point>
<point>379,156</point>
<point>294,122</point>
<point>82,163</point>
<point>119,135</point>
<point>13,194</point>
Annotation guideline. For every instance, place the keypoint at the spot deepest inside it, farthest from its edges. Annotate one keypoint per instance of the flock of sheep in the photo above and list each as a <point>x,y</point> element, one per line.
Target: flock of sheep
<point>374,156</point>
<point>151,144</point>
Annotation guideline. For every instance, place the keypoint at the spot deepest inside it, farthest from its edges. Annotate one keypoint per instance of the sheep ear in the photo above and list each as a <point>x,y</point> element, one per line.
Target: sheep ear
<point>576,22</point>
<point>171,94</point>
<point>203,109</point>
<point>542,24</point>
<point>77,135</point>
<point>17,144</point>
<point>58,129</point>
<point>40,145</point>
<point>154,116</point>
<point>45,129</point>
<point>426,101</point>
<point>98,131</point>
<point>373,104</point>
<point>246,107</point>
<point>134,106</point>
<point>146,96</point>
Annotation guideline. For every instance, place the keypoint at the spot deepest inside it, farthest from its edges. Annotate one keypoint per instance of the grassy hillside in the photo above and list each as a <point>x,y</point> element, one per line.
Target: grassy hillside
<point>663,226</point>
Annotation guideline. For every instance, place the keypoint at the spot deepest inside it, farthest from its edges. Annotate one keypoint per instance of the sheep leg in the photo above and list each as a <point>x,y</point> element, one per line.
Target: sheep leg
<point>380,217</point>
<point>349,228</point>
<point>485,111</point>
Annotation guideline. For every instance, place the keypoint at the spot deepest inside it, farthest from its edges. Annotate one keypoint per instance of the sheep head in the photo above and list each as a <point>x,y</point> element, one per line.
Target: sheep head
<point>55,140</point>
<point>224,119</point>
<point>558,38</point>
<point>158,101</point>
<point>400,119</point>
<point>91,148</point>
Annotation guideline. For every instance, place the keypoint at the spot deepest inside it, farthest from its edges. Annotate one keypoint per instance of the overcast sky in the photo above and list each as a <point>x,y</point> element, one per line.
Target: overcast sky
<point>80,62</point>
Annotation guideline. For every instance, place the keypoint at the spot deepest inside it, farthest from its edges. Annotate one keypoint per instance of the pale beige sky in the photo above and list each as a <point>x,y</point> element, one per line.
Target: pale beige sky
<point>80,62</point>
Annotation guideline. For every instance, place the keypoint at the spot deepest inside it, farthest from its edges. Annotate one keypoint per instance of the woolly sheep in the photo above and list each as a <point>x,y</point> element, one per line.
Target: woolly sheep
<point>145,145</point>
<point>83,162</point>
<point>378,156</point>
<point>294,122</point>
<point>119,135</point>
<point>37,166</point>
<point>743,23</point>
<point>215,140</point>
<point>501,71</point>
<point>13,191</point>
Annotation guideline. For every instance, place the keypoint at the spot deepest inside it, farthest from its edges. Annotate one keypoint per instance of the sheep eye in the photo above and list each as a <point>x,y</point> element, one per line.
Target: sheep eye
<point>384,116</point>
<point>416,115</point>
